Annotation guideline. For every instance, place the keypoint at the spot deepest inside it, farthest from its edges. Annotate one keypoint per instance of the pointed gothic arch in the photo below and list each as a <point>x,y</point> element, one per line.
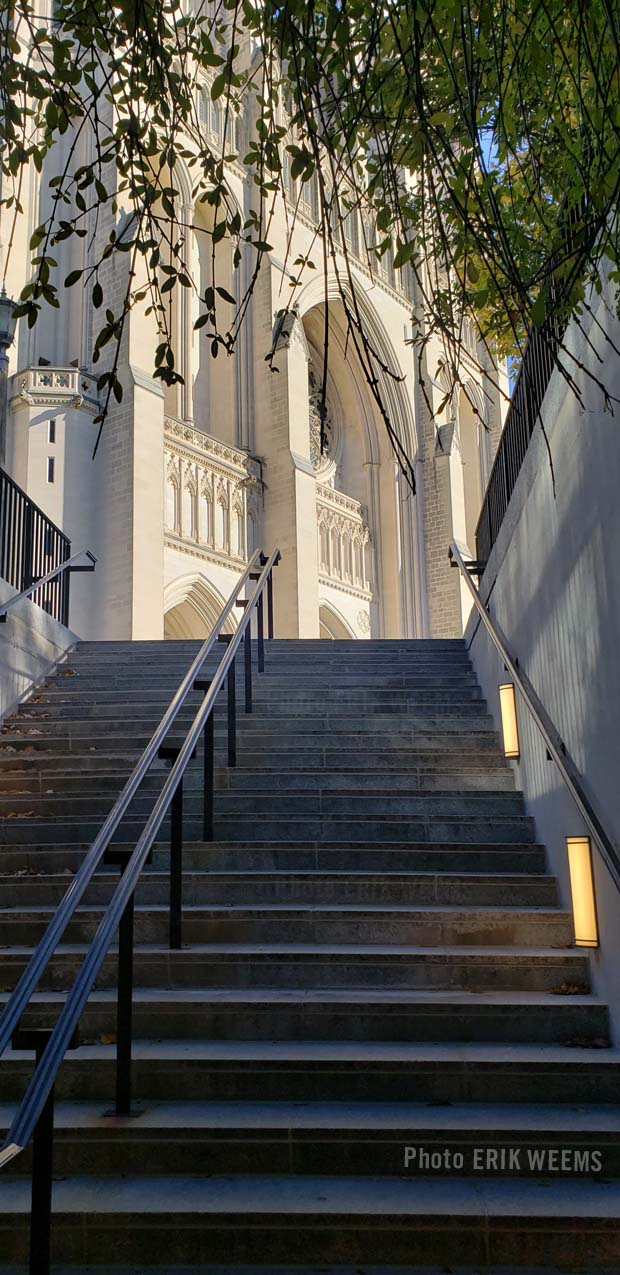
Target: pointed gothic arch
<point>191,607</point>
<point>331,624</point>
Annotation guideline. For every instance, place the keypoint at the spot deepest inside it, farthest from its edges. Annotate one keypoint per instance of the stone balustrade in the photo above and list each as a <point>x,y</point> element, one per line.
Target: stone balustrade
<point>212,496</point>
<point>345,547</point>
<point>61,387</point>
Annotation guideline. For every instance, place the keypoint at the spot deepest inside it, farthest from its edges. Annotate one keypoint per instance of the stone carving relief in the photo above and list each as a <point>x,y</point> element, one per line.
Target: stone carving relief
<point>320,460</point>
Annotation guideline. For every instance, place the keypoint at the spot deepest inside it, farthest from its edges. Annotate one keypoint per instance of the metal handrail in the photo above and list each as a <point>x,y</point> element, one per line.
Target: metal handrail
<point>44,1075</point>
<point>551,736</point>
<point>56,928</point>
<point>69,565</point>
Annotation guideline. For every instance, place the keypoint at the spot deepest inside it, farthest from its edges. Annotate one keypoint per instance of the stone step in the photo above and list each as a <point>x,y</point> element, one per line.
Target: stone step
<point>330,1269</point>
<point>262,882</point>
<point>314,759</point>
<point>28,829</point>
<point>315,923</point>
<point>159,687</point>
<point>439,1073</point>
<point>305,801</point>
<point>300,649</point>
<point>339,1015</point>
<point>425,857</point>
<point>299,1219</point>
<point>397,1139</point>
<point>327,966</point>
<point>451,742</point>
<point>379,707</point>
<point>422,780</point>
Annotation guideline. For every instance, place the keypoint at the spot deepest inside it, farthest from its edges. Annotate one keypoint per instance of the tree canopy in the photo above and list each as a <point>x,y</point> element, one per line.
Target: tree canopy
<point>479,141</point>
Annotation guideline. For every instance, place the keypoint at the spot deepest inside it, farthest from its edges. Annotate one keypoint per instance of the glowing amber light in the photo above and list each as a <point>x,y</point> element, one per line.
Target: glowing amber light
<point>510,726</point>
<point>582,891</point>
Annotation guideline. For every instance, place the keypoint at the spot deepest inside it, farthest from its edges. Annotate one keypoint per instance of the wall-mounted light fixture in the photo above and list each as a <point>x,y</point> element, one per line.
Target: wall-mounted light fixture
<point>582,891</point>
<point>510,725</point>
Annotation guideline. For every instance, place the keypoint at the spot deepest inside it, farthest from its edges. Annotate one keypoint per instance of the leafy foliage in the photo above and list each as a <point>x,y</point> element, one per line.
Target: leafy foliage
<point>478,142</point>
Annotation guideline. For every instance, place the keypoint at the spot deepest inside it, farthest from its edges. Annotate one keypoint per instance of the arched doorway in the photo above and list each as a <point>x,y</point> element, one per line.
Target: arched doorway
<point>191,609</point>
<point>332,626</point>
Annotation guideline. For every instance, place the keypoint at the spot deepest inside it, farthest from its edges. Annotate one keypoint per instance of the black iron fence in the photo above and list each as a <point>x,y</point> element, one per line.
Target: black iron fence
<point>539,360</point>
<point>30,547</point>
<point>530,387</point>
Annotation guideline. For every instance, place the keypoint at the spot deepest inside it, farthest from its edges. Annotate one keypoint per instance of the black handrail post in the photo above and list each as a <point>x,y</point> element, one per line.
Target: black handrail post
<point>232,716</point>
<point>261,634</point>
<point>176,865</point>
<point>270,605</point>
<point>124,999</point>
<point>41,1200</point>
<point>42,1158</point>
<point>247,654</point>
<point>170,752</point>
<point>232,705</point>
<point>124,1010</point>
<point>207,767</point>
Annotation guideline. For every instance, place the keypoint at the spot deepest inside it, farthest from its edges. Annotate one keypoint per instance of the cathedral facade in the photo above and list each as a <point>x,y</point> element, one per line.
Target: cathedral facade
<point>188,480</point>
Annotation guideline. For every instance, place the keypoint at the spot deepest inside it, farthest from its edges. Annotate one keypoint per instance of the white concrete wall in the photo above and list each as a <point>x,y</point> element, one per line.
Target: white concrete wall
<point>552,584</point>
<point>31,644</point>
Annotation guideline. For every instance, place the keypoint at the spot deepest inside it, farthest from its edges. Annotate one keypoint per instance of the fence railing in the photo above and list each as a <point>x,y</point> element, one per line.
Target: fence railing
<point>32,546</point>
<point>539,360</point>
<point>530,388</point>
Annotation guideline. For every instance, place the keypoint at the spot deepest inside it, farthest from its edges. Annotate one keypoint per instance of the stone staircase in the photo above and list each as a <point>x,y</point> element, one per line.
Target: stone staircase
<point>378,1050</point>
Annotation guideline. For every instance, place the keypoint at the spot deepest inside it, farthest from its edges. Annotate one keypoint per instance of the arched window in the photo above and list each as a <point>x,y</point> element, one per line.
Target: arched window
<point>335,554</point>
<point>252,541</point>
<point>323,548</point>
<point>172,505</point>
<point>206,515</point>
<point>309,196</point>
<point>221,525</point>
<point>237,532</point>
<point>190,527</point>
<point>348,560</point>
<point>351,232</point>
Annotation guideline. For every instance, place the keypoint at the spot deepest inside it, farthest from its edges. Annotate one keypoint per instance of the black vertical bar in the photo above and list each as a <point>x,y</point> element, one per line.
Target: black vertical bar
<point>27,576</point>
<point>41,1200</point>
<point>207,816</point>
<point>261,635</point>
<point>270,604</point>
<point>247,653</point>
<point>124,1011</point>
<point>232,717</point>
<point>176,865</point>
<point>65,586</point>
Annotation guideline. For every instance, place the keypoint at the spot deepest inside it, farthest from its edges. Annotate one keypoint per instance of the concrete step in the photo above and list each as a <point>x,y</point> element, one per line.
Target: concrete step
<point>452,742</point>
<point>345,1014</point>
<point>159,686</point>
<point>322,966</point>
<point>279,800</point>
<point>27,829</point>
<point>315,923</point>
<point>322,1219</point>
<point>483,1140</point>
<point>268,879</point>
<point>421,857</point>
<point>63,783</point>
<point>337,1071</point>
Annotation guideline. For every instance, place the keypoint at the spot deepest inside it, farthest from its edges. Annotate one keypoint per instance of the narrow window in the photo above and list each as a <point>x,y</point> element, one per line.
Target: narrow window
<point>50,469</point>
<point>51,432</point>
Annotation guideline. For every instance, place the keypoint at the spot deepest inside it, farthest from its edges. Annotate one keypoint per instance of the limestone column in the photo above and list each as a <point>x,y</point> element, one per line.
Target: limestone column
<point>283,439</point>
